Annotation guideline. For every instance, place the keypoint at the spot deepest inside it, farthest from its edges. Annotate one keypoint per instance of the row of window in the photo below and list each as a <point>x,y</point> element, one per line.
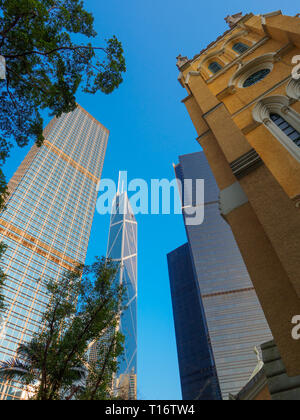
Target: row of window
<point>287,127</point>
<point>239,47</point>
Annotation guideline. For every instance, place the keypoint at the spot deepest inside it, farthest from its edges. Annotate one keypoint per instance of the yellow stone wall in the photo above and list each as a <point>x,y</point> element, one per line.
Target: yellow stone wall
<point>267,228</point>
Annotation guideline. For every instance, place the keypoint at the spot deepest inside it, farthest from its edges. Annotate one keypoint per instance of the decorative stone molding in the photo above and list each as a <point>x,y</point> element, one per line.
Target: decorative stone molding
<point>245,70</point>
<point>217,53</point>
<point>279,105</point>
<point>181,79</point>
<point>240,34</point>
<point>281,386</point>
<point>296,200</point>
<point>265,17</point>
<point>226,92</point>
<point>232,198</point>
<point>190,74</point>
<point>276,13</point>
<point>238,59</point>
<point>293,89</point>
<point>210,55</point>
<point>181,61</point>
<point>232,20</point>
<point>263,109</point>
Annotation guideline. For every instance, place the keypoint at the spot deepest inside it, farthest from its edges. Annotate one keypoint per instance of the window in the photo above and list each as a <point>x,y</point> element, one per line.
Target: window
<point>253,71</point>
<point>214,67</point>
<point>281,120</point>
<point>288,130</point>
<point>256,77</point>
<point>240,48</point>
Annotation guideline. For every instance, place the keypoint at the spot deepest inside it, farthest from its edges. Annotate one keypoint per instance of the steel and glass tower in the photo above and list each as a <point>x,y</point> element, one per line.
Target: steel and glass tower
<point>122,248</point>
<point>47,222</point>
<point>198,374</point>
<point>232,313</point>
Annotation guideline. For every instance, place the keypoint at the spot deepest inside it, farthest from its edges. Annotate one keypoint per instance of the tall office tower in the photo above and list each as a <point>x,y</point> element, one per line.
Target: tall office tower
<point>243,96</point>
<point>47,221</point>
<point>122,248</point>
<point>197,367</point>
<point>235,321</point>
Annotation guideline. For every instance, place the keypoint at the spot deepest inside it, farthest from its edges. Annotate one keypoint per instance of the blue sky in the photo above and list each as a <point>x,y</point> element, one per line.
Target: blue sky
<point>150,128</point>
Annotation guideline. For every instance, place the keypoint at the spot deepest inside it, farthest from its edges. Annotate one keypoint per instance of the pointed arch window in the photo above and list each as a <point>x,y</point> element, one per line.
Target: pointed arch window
<point>214,67</point>
<point>240,48</point>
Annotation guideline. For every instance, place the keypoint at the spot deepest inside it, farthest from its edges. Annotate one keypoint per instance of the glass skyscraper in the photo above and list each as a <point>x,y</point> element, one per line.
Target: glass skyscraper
<point>233,315</point>
<point>198,373</point>
<point>122,248</point>
<point>47,222</point>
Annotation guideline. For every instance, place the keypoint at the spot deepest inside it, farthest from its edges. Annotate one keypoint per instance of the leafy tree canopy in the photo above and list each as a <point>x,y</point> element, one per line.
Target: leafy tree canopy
<point>55,365</point>
<point>44,66</point>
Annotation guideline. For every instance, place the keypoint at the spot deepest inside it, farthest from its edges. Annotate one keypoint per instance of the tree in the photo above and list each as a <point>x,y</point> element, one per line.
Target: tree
<point>99,381</point>
<point>84,307</point>
<point>45,67</point>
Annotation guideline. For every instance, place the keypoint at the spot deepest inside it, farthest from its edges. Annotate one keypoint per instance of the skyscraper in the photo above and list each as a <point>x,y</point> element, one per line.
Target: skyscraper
<point>197,367</point>
<point>233,315</point>
<point>122,248</point>
<point>47,221</point>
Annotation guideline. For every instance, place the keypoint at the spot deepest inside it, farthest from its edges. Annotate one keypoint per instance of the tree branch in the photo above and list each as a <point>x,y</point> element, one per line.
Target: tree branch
<point>102,372</point>
<point>12,99</point>
<point>44,370</point>
<point>54,51</point>
<point>73,351</point>
<point>14,23</point>
<point>24,81</point>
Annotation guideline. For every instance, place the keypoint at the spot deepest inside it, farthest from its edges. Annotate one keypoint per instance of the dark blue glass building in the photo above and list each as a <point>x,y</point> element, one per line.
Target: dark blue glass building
<point>197,368</point>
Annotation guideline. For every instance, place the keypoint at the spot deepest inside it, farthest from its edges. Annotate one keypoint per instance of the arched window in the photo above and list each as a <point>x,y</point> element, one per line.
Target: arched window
<point>253,71</point>
<point>256,77</point>
<point>214,67</point>
<point>287,128</point>
<point>281,120</point>
<point>240,48</point>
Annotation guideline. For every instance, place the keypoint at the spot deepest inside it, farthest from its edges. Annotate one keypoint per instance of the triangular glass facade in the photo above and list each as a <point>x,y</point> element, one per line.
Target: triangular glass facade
<point>122,248</point>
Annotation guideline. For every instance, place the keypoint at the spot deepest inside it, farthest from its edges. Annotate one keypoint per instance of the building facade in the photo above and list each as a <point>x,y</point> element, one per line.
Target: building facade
<point>47,222</point>
<point>122,248</point>
<point>243,99</point>
<point>197,367</point>
<point>233,316</point>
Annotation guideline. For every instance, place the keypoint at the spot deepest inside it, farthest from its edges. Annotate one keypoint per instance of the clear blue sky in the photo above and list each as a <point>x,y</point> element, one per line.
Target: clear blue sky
<point>150,128</point>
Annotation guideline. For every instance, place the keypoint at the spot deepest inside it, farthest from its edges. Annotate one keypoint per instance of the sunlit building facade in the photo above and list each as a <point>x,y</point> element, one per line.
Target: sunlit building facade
<point>242,95</point>
<point>232,313</point>
<point>122,248</point>
<point>47,222</point>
